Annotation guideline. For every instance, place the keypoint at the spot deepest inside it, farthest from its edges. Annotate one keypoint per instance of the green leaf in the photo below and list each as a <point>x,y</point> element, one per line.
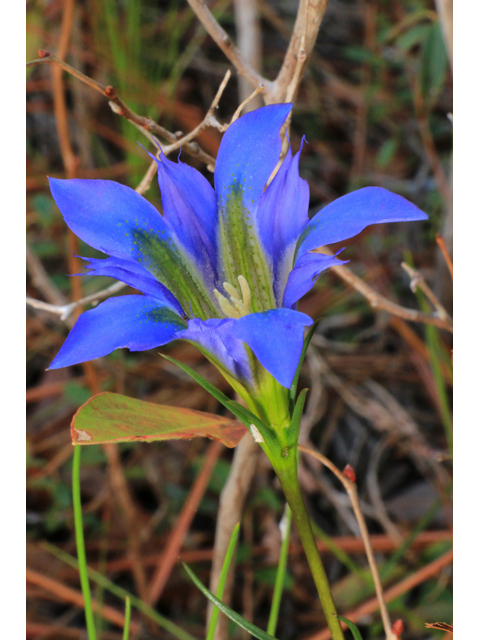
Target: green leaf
<point>293,388</point>
<point>248,626</point>
<point>353,627</point>
<point>111,417</point>
<point>294,428</point>
<point>222,580</point>
<point>241,412</point>
<point>433,64</point>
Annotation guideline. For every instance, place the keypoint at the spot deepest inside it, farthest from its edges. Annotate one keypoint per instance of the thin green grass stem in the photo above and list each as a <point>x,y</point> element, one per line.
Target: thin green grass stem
<point>285,528</point>
<point>128,609</point>
<point>222,581</point>
<point>108,585</point>
<point>82,559</point>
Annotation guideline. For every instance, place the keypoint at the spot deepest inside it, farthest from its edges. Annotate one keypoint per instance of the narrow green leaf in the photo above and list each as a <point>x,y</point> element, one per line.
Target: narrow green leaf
<point>126,629</point>
<point>308,338</point>
<point>353,627</point>
<point>111,417</point>
<point>242,413</point>
<point>237,618</point>
<point>285,527</point>
<point>110,586</point>
<point>297,414</point>
<point>223,578</point>
<point>433,64</point>
<point>82,558</point>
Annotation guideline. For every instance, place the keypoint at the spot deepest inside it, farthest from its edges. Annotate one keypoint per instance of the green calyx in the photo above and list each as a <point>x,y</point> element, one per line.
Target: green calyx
<point>241,251</point>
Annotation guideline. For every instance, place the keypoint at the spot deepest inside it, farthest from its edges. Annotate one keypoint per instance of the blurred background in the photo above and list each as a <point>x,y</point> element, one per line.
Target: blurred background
<point>375,107</point>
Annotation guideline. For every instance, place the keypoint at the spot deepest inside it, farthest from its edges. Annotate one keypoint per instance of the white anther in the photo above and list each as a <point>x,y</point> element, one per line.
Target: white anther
<point>228,309</point>
<point>257,436</point>
<point>246,295</point>
<point>232,292</point>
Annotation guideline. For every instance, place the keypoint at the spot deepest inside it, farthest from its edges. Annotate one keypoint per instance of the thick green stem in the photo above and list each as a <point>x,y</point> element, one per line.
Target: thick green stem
<point>286,470</point>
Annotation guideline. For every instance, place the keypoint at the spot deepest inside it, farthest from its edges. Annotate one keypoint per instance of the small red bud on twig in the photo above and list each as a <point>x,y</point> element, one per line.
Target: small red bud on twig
<point>43,53</point>
<point>397,628</point>
<point>109,91</point>
<point>349,473</point>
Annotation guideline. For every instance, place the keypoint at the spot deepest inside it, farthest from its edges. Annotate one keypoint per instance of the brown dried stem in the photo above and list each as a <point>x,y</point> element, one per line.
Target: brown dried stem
<point>351,489</point>
<point>224,42</point>
<point>169,557</point>
<point>418,281</point>
<point>378,301</point>
<point>409,583</point>
<point>146,125</point>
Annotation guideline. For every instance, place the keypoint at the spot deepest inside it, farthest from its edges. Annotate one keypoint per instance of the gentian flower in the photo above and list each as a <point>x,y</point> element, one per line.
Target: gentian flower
<point>222,268</point>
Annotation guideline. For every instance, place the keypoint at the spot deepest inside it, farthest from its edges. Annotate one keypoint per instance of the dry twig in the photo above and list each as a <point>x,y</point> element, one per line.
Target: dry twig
<point>146,125</point>
<point>177,536</point>
<point>351,488</point>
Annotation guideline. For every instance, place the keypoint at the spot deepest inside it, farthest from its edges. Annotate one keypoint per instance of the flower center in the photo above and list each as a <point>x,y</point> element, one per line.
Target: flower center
<point>238,303</point>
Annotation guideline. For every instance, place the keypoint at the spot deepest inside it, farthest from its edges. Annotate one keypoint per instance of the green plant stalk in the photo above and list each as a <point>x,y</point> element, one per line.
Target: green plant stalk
<point>285,467</point>
<point>110,586</point>
<point>82,559</point>
<point>223,579</point>
<point>281,570</point>
<point>126,628</point>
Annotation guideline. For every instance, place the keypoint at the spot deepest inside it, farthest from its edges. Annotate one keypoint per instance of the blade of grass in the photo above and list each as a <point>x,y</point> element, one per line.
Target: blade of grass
<point>285,528</point>
<point>222,580</point>
<point>108,585</point>
<point>127,618</point>
<point>353,627</point>
<point>233,615</point>
<point>82,559</point>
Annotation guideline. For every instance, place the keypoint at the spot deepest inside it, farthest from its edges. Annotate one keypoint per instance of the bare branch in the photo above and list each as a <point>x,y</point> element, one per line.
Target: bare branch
<point>208,121</point>
<point>145,125</point>
<point>347,478</point>
<point>224,42</point>
<point>417,280</point>
<point>309,18</point>
<point>64,311</point>
<point>378,301</point>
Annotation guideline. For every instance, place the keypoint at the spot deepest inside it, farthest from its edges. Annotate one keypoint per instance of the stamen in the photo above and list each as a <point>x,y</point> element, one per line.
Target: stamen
<point>246,295</point>
<point>236,307</point>
<point>228,309</point>
<point>232,292</point>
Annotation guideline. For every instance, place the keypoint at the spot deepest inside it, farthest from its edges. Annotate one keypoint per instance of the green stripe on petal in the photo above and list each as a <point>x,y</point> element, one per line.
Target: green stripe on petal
<point>175,270</point>
<point>241,252</point>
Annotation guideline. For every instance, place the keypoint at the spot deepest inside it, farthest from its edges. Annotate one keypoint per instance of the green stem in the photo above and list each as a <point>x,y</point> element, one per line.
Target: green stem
<point>286,470</point>
<point>281,571</point>
<point>82,558</point>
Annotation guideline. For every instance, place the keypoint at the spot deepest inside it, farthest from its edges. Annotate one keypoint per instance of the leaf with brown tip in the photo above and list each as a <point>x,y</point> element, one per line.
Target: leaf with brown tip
<point>111,417</point>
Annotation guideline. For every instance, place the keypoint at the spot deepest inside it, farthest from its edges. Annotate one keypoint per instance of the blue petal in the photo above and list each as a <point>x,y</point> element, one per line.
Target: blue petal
<point>135,276</point>
<point>302,278</point>
<point>118,221</point>
<point>105,214</point>
<point>136,322</point>
<point>281,218</point>
<point>190,206</point>
<point>249,153</point>
<point>276,338</point>
<point>349,215</point>
<point>214,336</point>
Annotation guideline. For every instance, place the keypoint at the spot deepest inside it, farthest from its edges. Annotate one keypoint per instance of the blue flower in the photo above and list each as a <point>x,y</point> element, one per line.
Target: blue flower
<point>220,268</point>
